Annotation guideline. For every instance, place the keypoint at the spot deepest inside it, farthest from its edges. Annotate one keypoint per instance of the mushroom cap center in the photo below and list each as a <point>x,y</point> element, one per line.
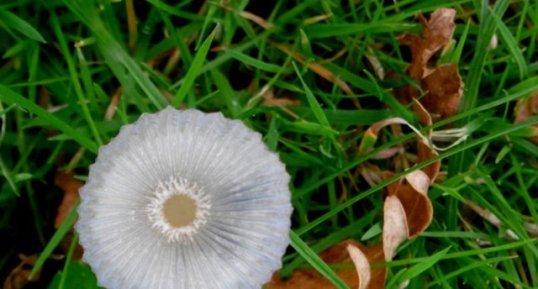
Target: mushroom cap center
<point>179,210</point>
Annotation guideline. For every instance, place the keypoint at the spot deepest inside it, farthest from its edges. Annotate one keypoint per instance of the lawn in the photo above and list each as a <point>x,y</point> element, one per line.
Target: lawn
<point>409,128</point>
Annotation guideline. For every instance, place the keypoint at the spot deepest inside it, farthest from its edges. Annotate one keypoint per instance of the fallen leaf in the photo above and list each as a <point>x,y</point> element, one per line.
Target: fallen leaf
<point>419,181</point>
<point>436,34</point>
<point>362,265</point>
<point>311,279</point>
<point>438,31</point>
<point>395,229</point>
<point>70,186</point>
<point>525,108</point>
<point>442,84</point>
<point>337,254</point>
<point>444,89</point>
<point>425,153</point>
<point>422,114</point>
<point>19,276</point>
<point>418,207</point>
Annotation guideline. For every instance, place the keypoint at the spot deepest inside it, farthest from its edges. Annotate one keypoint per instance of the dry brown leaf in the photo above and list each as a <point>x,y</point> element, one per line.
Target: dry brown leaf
<point>395,229</point>
<point>438,31</point>
<point>311,279</point>
<point>443,85</point>
<point>418,207</point>
<point>70,186</point>
<point>526,108</point>
<point>422,114</point>
<point>444,89</point>
<point>19,276</point>
<point>337,254</point>
<point>425,153</point>
<point>419,181</point>
<point>436,34</point>
<point>362,265</point>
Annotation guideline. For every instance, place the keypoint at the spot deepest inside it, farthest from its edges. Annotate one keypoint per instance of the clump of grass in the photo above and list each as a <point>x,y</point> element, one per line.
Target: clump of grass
<point>73,72</point>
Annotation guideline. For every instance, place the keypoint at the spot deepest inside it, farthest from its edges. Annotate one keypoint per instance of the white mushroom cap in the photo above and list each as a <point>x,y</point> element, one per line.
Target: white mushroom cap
<point>185,199</point>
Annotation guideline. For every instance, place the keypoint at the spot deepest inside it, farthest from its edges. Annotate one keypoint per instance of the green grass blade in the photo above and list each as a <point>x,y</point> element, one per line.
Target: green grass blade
<point>116,57</point>
<point>487,28</point>
<point>68,260</point>
<point>226,92</point>
<point>254,62</point>
<point>312,101</point>
<point>7,175</point>
<point>456,55</point>
<point>12,97</point>
<point>75,78</point>
<point>512,45</point>
<point>194,70</point>
<point>66,225</point>
<point>415,270</point>
<point>20,25</point>
<point>333,29</point>
<point>472,266</point>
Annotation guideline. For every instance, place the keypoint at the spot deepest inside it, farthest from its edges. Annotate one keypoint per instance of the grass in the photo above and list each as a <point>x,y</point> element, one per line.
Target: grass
<point>65,63</point>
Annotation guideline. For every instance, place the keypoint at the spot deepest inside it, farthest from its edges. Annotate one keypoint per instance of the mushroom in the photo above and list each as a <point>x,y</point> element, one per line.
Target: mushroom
<point>185,199</point>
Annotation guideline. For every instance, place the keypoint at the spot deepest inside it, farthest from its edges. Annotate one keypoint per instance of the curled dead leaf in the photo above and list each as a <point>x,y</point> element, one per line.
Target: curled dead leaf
<point>19,276</point>
<point>442,84</point>
<point>426,153</point>
<point>419,181</point>
<point>436,34</point>
<point>395,229</point>
<point>444,89</point>
<point>438,30</point>
<point>362,265</point>
<point>339,254</point>
<point>417,206</point>
<point>422,114</point>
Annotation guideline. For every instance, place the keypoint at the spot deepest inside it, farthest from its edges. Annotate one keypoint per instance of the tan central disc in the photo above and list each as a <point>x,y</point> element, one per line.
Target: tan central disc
<point>179,211</point>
